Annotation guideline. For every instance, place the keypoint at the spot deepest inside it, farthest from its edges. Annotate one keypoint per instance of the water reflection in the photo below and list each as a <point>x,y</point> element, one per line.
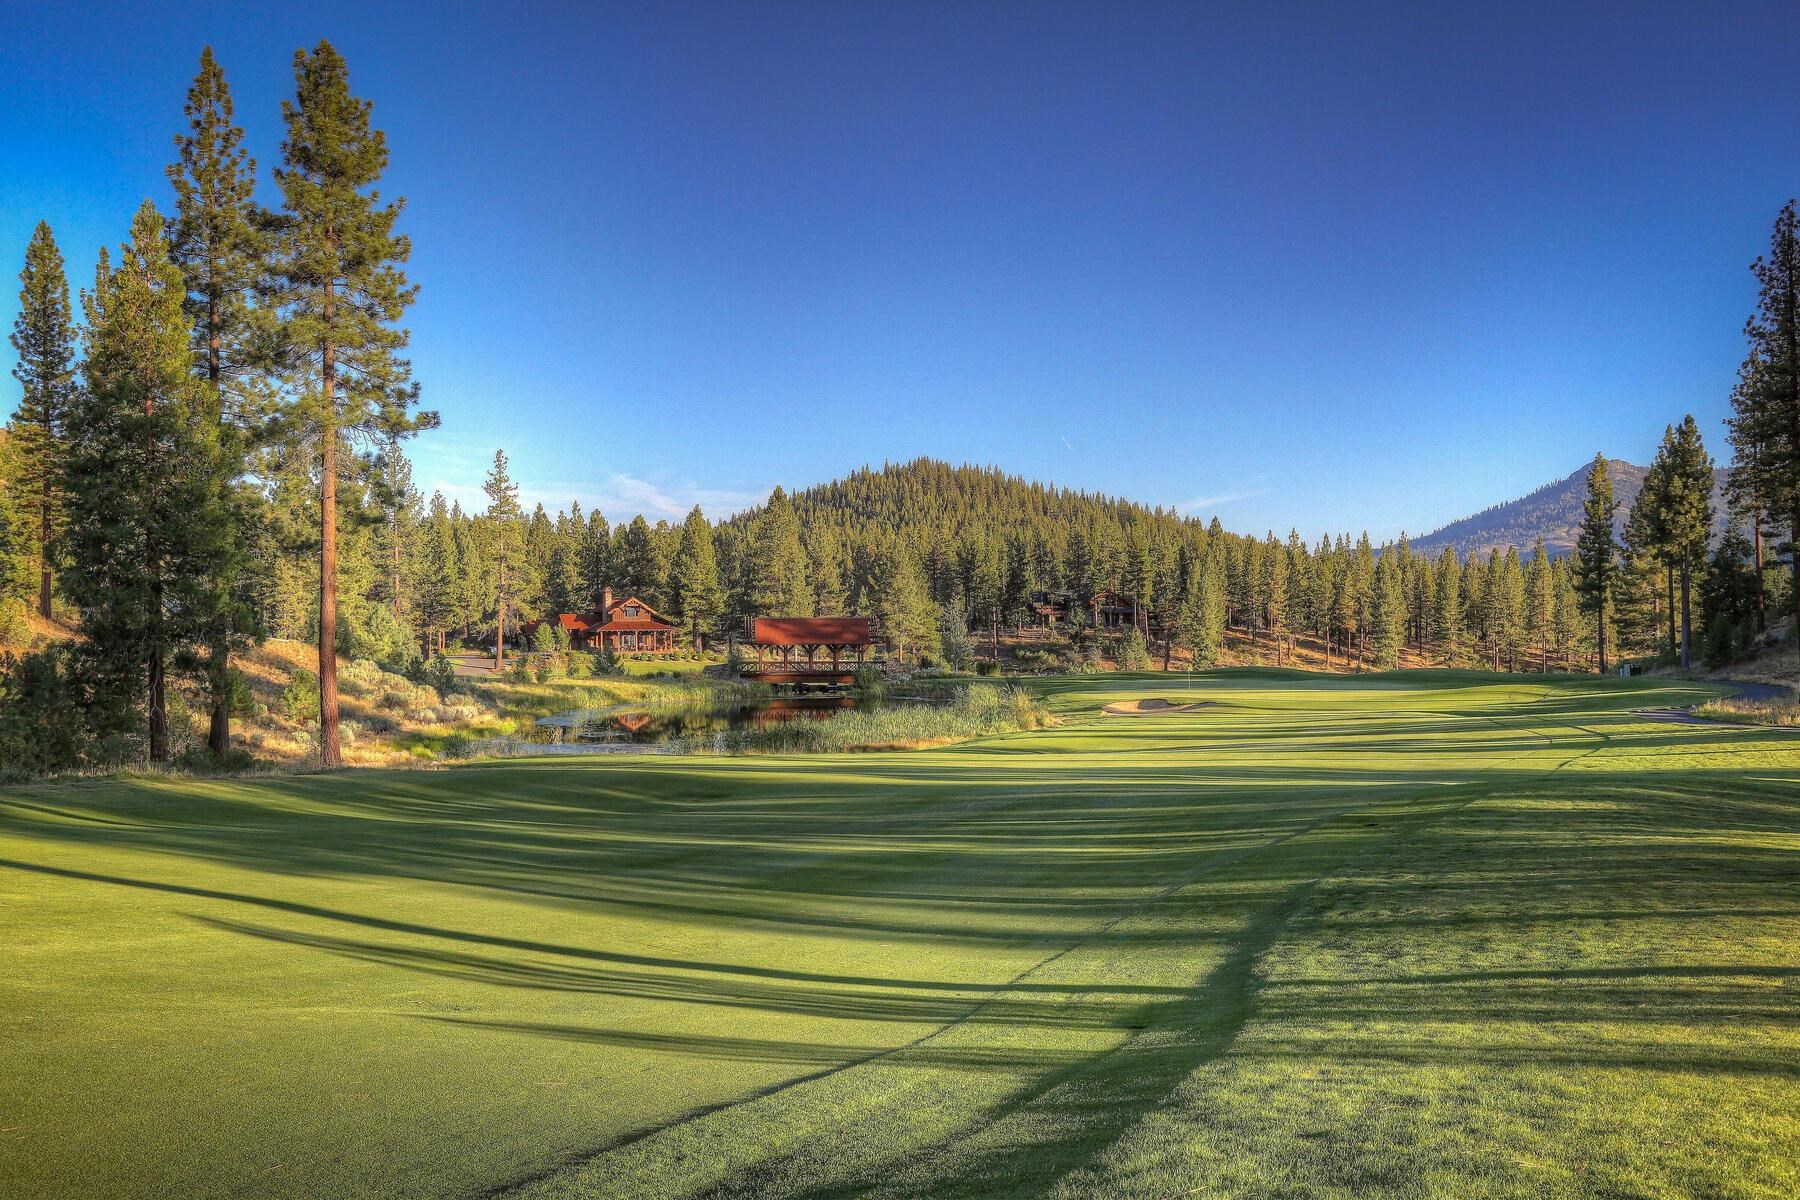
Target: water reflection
<point>652,726</point>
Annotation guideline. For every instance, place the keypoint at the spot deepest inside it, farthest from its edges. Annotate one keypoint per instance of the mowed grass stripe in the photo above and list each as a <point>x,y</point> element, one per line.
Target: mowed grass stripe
<point>911,1132</point>
<point>1321,908</point>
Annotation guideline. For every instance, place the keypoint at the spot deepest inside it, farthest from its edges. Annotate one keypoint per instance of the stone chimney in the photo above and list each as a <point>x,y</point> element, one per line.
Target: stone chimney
<point>605,601</point>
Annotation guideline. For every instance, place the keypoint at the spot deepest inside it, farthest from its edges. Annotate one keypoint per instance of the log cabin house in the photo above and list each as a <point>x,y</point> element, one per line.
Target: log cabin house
<point>625,626</point>
<point>1111,611</point>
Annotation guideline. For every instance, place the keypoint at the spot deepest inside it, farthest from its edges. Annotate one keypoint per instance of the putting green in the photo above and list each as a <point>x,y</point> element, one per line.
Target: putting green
<point>1433,934</point>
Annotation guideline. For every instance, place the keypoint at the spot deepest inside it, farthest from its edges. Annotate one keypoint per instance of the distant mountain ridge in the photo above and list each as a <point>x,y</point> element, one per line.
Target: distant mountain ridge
<point>1552,512</point>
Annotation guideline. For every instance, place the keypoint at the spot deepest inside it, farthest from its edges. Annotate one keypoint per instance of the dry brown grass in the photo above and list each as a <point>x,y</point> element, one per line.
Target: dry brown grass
<point>1785,713</point>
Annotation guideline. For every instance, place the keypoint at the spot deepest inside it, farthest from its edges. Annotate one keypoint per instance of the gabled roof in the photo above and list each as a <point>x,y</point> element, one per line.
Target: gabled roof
<point>810,631</point>
<point>618,623</point>
<point>647,618</point>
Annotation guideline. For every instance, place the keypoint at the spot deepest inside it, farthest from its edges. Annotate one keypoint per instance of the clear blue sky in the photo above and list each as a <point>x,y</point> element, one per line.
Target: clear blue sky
<point>1335,270</point>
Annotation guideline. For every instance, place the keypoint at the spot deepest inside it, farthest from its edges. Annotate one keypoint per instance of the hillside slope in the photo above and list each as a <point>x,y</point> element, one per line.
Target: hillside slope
<point>1552,512</point>
<point>933,499</point>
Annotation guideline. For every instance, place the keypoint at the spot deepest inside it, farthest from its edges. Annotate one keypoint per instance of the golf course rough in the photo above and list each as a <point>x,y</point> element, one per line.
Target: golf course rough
<point>1430,934</point>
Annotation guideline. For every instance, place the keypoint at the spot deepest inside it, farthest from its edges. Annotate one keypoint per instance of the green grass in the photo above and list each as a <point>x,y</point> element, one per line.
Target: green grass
<point>1439,934</point>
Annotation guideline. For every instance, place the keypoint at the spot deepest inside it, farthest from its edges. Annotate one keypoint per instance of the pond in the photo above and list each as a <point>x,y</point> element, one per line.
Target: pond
<point>623,727</point>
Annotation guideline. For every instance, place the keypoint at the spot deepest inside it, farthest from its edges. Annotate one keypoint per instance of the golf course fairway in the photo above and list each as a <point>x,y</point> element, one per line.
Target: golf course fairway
<point>1424,934</point>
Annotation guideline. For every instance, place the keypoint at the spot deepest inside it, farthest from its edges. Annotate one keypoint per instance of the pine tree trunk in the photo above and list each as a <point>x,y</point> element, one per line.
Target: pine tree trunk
<point>44,549</point>
<point>1600,632</point>
<point>218,664</point>
<point>1669,582</point>
<point>1687,623</point>
<point>158,700</point>
<point>500,618</point>
<point>1762,602</point>
<point>330,755</point>
<point>218,677</point>
<point>1794,562</point>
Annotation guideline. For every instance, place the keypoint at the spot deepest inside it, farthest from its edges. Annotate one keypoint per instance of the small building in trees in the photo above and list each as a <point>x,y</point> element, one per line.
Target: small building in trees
<point>1049,609</point>
<point>1112,610</point>
<point>625,626</point>
<point>1109,610</point>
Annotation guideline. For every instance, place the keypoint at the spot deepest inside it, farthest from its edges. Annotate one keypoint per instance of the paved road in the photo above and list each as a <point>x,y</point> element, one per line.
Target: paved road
<point>1759,691</point>
<point>478,666</point>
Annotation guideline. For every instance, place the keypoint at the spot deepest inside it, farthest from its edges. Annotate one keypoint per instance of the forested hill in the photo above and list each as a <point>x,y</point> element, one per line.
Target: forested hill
<point>1553,512</point>
<point>933,504</point>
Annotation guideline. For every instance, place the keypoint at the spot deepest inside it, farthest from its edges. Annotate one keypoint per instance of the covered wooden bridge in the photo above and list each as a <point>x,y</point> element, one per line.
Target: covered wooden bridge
<point>808,650</point>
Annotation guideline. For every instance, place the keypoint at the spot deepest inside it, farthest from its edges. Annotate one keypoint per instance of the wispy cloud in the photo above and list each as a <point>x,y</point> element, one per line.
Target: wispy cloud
<point>619,496</point>
<point>1201,504</point>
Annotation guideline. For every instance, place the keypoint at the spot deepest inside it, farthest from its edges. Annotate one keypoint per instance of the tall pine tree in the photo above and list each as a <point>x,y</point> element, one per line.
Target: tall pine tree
<point>778,578</point>
<point>1766,427</point>
<point>145,528</point>
<point>694,577</point>
<point>44,337</point>
<point>341,291</point>
<point>1687,517</point>
<point>1596,553</point>
<point>219,239</point>
<point>506,520</point>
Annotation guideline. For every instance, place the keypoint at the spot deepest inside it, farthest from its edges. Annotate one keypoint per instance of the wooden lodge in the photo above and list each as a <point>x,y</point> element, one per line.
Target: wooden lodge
<point>1112,611</point>
<point>807,650</point>
<point>1106,611</point>
<point>625,626</point>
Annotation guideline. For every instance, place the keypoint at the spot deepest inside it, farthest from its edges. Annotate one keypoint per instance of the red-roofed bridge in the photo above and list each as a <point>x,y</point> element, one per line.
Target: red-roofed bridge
<point>801,650</point>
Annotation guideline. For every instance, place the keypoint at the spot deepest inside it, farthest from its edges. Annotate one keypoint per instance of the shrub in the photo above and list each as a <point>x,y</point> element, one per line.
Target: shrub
<point>397,698</point>
<point>349,731</point>
<point>1132,654</point>
<point>300,699</point>
<point>953,635</point>
<point>871,683</point>
<point>239,699</point>
<point>377,634</point>
<point>15,630</point>
<point>184,728</point>
<point>1744,639</point>
<point>42,726</point>
<point>1080,658</point>
<point>441,675</point>
<point>197,760</point>
<point>1717,650</point>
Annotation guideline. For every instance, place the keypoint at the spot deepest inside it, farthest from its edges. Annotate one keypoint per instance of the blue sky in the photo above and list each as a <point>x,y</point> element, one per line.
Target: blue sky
<point>1338,270</point>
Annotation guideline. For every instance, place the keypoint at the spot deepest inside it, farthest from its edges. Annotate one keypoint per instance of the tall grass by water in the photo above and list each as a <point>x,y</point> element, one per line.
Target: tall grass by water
<point>979,710</point>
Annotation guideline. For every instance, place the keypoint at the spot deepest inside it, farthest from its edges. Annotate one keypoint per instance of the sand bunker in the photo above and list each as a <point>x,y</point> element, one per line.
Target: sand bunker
<point>1153,708</point>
